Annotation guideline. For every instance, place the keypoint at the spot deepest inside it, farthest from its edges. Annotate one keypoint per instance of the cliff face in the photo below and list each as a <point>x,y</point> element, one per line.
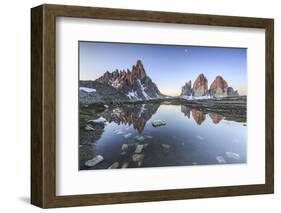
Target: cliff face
<point>186,90</point>
<point>200,86</point>
<point>218,88</point>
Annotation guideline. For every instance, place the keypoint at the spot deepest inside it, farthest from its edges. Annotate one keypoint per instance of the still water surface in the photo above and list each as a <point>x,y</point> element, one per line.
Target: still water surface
<point>190,137</point>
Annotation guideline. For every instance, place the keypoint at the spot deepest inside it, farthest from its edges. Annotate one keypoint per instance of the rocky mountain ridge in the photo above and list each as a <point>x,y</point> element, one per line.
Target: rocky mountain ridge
<point>218,88</point>
<point>134,83</point>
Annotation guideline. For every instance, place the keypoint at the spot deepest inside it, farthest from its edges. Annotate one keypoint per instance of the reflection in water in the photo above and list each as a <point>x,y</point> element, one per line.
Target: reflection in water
<point>136,115</point>
<point>129,140</point>
<point>185,110</point>
<point>198,116</point>
<point>215,118</point>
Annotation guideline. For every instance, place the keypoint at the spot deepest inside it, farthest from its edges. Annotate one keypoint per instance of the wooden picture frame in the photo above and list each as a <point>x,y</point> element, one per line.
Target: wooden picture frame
<point>43,105</point>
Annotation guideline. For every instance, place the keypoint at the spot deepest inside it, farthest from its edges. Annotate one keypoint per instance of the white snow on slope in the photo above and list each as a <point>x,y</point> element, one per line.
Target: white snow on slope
<point>142,110</point>
<point>132,95</point>
<point>87,89</point>
<point>142,89</point>
<point>197,98</point>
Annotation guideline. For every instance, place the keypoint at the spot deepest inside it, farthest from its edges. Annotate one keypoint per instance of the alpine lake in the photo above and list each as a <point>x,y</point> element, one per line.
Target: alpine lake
<point>162,133</point>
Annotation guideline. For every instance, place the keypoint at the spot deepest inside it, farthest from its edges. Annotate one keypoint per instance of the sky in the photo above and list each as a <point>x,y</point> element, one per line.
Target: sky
<point>169,66</point>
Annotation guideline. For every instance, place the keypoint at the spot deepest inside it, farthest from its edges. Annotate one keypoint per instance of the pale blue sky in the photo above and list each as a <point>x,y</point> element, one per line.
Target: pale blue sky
<point>169,66</point>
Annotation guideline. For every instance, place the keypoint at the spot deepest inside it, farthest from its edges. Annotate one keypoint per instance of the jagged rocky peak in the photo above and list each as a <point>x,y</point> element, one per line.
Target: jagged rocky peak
<point>218,88</point>
<point>118,78</point>
<point>133,83</point>
<point>200,86</point>
<point>186,90</point>
<point>138,70</point>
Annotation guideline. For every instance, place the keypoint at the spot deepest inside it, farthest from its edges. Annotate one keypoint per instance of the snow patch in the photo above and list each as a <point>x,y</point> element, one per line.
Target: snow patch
<point>87,89</point>
<point>142,89</point>
<point>197,97</point>
<point>116,84</point>
<point>132,95</point>
<point>99,120</point>
<point>142,110</point>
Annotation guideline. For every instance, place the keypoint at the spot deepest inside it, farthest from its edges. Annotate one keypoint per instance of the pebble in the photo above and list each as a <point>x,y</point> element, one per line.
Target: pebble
<point>124,149</point>
<point>96,160</point>
<point>220,159</point>
<point>232,155</point>
<point>89,128</point>
<point>166,146</point>
<point>114,166</point>
<point>139,148</point>
<point>137,157</point>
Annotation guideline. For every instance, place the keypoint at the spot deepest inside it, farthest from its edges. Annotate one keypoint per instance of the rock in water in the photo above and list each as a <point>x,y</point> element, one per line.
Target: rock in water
<point>200,86</point>
<point>100,120</point>
<point>186,90</point>
<point>125,165</point>
<point>114,166</point>
<point>89,128</point>
<point>124,149</point>
<point>137,157</point>
<point>165,146</point>
<point>157,123</point>
<point>232,155</point>
<point>139,149</point>
<point>220,159</point>
<point>96,160</point>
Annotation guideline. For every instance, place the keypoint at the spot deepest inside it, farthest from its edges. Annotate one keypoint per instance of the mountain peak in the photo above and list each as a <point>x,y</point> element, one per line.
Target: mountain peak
<point>134,83</point>
<point>200,86</point>
<point>186,90</point>
<point>219,82</point>
<point>138,70</point>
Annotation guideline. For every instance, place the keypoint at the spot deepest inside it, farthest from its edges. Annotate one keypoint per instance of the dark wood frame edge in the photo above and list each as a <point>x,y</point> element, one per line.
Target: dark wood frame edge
<point>43,105</point>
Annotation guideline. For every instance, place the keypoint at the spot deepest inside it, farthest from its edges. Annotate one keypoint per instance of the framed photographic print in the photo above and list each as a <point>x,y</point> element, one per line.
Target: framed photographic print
<point>135,106</point>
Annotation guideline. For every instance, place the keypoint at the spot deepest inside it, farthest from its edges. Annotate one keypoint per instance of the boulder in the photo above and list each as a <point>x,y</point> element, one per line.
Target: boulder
<point>157,123</point>
<point>114,166</point>
<point>96,160</point>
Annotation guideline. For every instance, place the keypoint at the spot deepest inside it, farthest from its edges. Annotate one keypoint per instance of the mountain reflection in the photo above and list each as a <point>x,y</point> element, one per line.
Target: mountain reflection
<point>135,115</point>
<point>215,118</point>
<point>138,115</point>
<point>198,116</point>
<point>185,110</point>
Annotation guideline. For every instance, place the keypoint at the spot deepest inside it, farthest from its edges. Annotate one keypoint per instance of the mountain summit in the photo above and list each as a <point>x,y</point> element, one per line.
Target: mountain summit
<point>200,86</point>
<point>218,88</point>
<point>186,90</point>
<point>134,83</point>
